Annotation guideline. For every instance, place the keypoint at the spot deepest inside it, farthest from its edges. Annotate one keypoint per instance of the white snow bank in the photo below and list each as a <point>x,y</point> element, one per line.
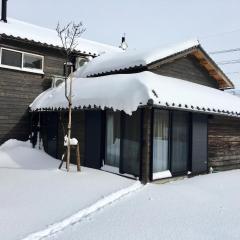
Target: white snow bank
<point>131,58</point>
<point>128,91</point>
<point>57,227</point>
<point>35,194</point>
<point>12,143</point>
<point>43,35</point>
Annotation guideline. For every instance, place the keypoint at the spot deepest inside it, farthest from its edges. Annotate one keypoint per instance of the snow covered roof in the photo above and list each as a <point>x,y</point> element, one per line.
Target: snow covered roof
<point>129,91</point>
<point>26,31</point>
<point>109,62</point>
<point>137,61</point>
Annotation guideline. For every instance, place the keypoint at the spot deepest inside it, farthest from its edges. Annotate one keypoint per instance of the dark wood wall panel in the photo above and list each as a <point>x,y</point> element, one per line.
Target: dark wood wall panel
<point>186,68</point>
<point>18,89</point>
<point>224,143</point>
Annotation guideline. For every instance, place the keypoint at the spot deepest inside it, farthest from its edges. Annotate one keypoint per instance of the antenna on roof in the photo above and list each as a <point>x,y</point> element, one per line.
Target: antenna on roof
<point>124,44</point>
<point>4,11</point>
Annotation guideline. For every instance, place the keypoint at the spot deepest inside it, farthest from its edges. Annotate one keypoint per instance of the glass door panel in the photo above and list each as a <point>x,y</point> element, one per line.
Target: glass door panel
<point>112,153</point>
<point>180,142</point>
<point>160,140</point>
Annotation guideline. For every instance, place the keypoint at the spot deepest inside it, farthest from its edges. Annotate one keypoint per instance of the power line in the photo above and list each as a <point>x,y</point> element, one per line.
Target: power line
<point>230,73</point>
<point>229,62</point>
<point>225,51</point>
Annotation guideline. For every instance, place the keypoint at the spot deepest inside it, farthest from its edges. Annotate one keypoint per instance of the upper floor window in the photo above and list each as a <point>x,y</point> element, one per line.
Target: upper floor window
<point>21,61</point>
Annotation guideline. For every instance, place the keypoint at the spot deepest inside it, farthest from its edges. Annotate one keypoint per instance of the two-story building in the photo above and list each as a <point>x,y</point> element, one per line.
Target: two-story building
<point>31,60</point>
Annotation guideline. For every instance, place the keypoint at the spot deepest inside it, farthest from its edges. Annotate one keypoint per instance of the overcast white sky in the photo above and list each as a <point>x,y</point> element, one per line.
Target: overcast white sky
<point>147,24</point>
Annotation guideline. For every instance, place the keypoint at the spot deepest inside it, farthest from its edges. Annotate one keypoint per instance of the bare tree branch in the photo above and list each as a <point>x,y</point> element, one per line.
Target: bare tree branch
<point>69,36</point>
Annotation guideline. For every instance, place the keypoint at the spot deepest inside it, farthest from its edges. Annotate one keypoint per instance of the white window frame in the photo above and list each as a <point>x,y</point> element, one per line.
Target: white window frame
<point>24,69</point>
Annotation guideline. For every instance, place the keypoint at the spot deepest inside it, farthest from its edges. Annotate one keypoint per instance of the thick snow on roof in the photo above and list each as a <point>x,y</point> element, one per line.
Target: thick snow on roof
<point>129,91</point>
<point>47,36</point>
<point>131,58</point>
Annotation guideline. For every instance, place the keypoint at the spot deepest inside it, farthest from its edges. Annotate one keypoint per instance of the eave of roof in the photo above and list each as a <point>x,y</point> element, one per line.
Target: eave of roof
<point>48,37</point>
<point>190,48</point>
<point>40,44</point>
<point>127,92</point>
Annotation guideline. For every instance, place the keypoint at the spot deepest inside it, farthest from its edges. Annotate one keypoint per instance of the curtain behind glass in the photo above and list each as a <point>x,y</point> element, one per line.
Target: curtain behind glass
<point>112,154</point>
<point>160,140</point>
<point>131,144</point>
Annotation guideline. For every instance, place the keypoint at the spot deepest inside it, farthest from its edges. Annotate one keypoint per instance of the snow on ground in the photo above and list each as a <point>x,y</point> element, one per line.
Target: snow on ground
<point>201,208</point>
<point>35,194</point>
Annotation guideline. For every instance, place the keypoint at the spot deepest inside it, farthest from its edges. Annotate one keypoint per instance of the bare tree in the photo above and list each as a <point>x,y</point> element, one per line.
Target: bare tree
<point>69,34</point>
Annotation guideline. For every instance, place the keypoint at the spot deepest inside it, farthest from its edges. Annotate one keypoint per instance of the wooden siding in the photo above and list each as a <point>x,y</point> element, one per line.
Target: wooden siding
<point>18,89</point>
<point>186,68</point>
<point>224,143</point>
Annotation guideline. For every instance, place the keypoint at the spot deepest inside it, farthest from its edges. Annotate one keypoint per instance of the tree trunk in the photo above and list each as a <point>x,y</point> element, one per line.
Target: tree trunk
<point>69,121</point>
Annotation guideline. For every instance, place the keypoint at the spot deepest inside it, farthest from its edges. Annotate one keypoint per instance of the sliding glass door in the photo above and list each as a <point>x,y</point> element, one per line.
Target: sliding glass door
<point>160,141</point>
<point>112,151</point>
<point>130,152</point>
<point>180,142</point>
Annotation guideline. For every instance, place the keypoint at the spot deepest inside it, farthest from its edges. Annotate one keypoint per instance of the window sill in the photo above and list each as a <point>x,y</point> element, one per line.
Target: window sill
<point>23,69</point>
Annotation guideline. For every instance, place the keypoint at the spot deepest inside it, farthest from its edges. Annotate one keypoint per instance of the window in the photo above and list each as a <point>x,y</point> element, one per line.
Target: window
<point>32,61</point>
<point>180,142</point>
<point>11,58</point>
<point>160,140</point>
<point>112,153</point>
<point>131,146</point>
<point>21,61</point>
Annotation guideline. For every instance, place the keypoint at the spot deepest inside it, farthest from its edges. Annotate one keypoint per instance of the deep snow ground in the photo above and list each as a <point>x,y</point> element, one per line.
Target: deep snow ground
<point>201,208</point>
<point>35,194</point>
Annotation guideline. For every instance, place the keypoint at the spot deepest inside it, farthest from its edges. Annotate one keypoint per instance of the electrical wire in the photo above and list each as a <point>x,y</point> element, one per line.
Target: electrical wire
<point>225,51</point>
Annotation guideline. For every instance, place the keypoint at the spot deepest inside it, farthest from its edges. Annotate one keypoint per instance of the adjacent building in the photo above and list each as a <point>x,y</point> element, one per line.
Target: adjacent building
<point>31,61</point>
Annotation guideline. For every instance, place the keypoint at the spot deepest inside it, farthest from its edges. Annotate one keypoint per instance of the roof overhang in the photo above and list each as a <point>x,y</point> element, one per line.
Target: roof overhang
<point>128,92</point>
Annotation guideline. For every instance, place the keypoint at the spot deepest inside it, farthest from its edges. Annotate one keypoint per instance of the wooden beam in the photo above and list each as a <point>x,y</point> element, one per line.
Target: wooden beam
<point>146,144</point>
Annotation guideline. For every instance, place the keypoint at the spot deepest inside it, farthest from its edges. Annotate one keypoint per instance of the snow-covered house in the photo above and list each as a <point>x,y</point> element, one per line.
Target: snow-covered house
<point>31,60</point>
<point>150,114</point>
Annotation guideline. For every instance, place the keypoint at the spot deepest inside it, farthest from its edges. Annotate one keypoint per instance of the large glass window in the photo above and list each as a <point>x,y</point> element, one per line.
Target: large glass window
<point>112,152</point>
<point>131,144</point>
<point>11,58</point>
<point>160,140</point>
<point>32,61</point>
<point>180,142</point>
<point>21,61</point>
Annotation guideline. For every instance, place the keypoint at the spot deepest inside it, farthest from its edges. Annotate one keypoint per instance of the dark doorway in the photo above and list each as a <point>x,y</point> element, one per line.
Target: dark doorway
<point>199,143</point>
<point>180,142</point>
<point>93,147</point>
<point>52,133</point>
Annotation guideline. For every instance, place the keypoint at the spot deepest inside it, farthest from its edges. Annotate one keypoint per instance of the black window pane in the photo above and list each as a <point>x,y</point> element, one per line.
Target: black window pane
<point>180,142</point>
<point>131,144</point>
<point>11,58</point>
<point>31,61</point>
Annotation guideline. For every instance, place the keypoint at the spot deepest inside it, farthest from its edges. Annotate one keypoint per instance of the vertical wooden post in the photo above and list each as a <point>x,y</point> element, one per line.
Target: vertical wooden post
<point>69,120</point>
<point>146,144</point>
<point>78,158</point>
